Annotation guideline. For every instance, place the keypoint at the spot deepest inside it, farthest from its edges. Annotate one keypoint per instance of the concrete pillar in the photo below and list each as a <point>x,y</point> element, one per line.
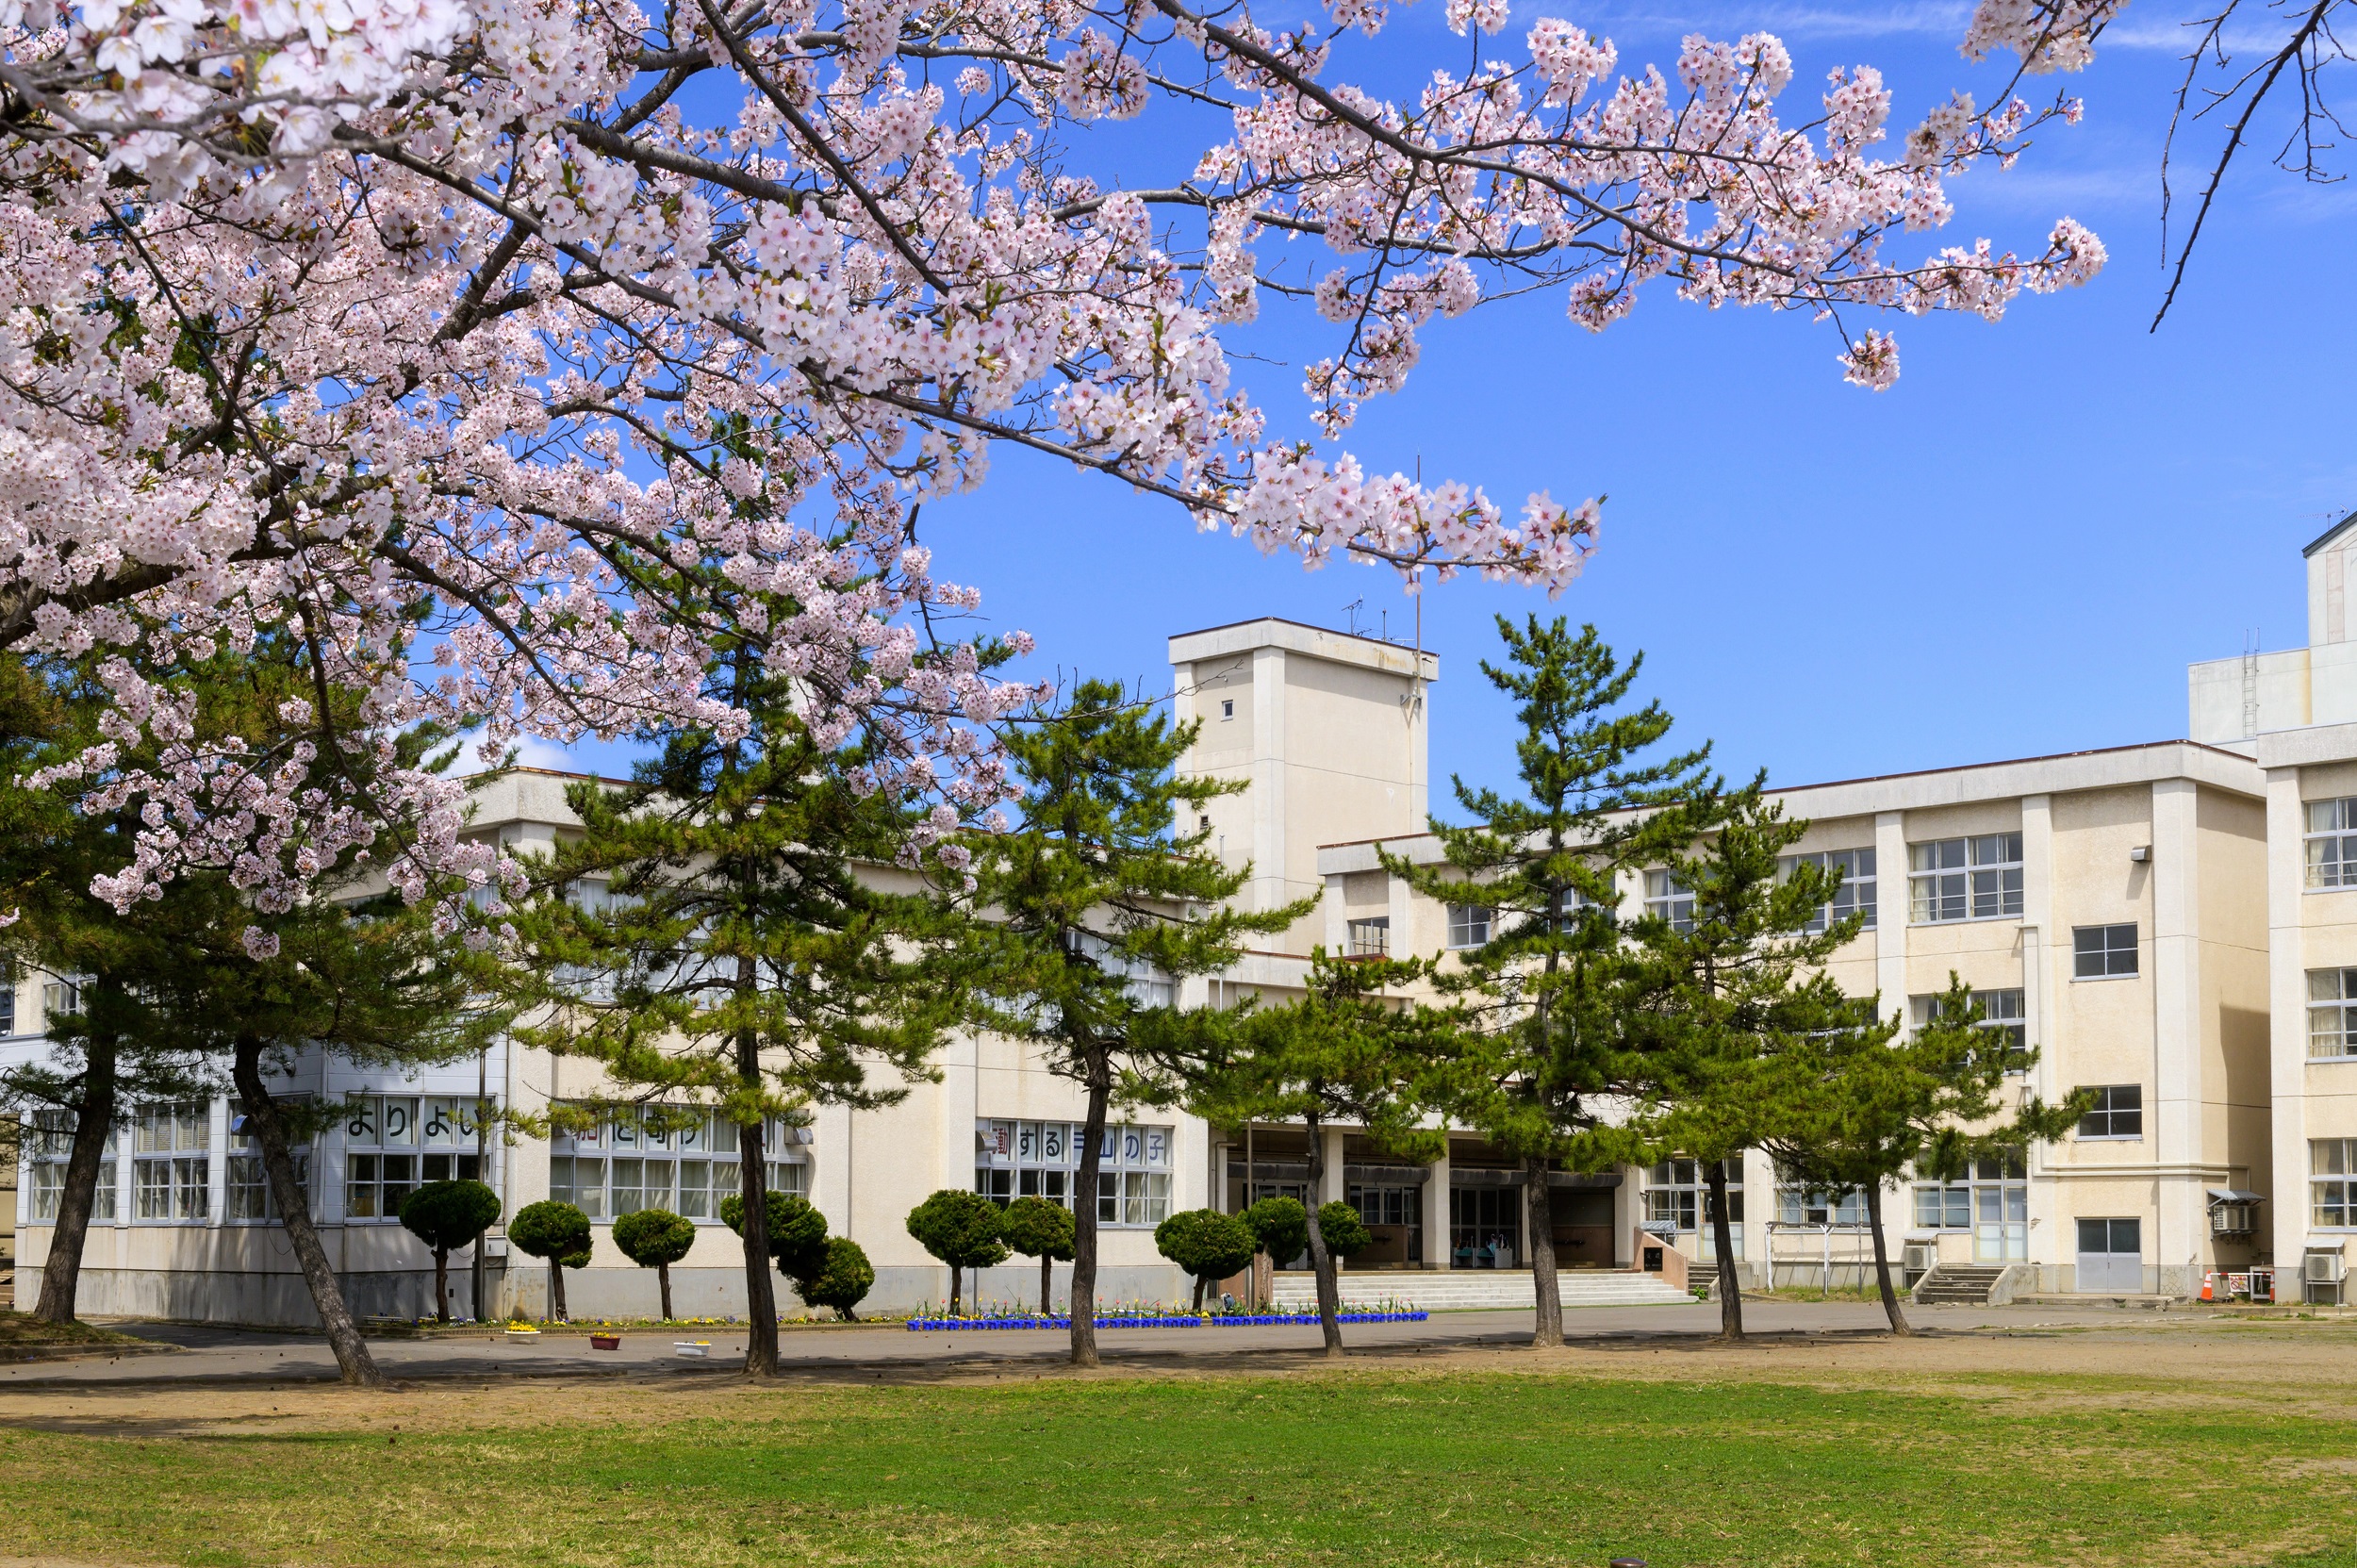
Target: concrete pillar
<point>1330,1190</point>
<point>2287,990</point>
<point>2176,1034</point>
<point>1219,1176</point>
<point>2051,1241</point>
<point>216,1148</point>
<point>1891,909</point>
<point>1436,1249</point>
<point>1267,798</point>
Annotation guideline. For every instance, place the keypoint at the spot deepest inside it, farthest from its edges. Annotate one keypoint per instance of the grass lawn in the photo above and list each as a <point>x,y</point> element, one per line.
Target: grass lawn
<point>1372,1464</point>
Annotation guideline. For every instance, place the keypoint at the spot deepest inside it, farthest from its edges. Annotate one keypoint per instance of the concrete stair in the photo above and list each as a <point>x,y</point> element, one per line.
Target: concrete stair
<point>1958,1285</point>
<point>1473,1290</point>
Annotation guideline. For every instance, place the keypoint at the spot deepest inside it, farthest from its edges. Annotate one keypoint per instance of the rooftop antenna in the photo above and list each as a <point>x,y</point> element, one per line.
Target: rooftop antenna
<point>1351,612</point>
<point>2251,682</point>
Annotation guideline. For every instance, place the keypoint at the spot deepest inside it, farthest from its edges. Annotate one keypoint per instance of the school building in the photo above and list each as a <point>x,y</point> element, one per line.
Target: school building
<point>2172,925</point>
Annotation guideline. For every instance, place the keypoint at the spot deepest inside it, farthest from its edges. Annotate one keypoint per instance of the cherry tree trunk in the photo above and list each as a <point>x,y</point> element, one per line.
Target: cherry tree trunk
<point>62,1275</point>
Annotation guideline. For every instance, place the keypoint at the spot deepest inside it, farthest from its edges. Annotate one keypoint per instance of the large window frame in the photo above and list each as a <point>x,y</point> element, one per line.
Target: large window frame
<point>1470,926</point>
<point>2103,952</point>
<point>246,1196</point>
<point>171,1165</point>
<point>1991,1200</point>
<point>1026,1159</point>
<point>2328,845</point>
<point>1669,899</point>
<point>1952,880</point>
<point>2332,1015</point>
<point>1856,896</point>
<point>2004,1012</point>
<point>48,1144</point>
<point>393,1144</point>
<point>616,1159</point>
<point>2117,1115</point>
<point>2332,1183</point>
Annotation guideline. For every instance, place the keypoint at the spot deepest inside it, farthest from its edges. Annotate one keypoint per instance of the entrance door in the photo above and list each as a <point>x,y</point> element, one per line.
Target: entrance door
<point>2111,1255</point>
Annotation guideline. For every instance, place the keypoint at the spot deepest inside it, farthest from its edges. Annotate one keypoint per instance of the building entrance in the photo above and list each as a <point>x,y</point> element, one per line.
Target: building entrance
<point>2111,1255</point>
<point>1485,1227</point>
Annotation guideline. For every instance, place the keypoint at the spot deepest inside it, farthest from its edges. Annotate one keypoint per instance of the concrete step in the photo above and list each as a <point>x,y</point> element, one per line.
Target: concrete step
<point>1958,1284</point>
<point>1474,1290</point>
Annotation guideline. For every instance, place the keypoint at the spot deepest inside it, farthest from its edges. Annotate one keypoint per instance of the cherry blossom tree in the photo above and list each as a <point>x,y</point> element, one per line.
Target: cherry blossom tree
<point>453,336</point>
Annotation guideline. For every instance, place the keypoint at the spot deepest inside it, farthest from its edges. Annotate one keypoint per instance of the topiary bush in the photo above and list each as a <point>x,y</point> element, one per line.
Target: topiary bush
<point>963,1230</point>
<point>844,1282</point>
<point>655,1239</point>
<point>1207,1243</point>
<point>1346,1233</point>
<point>559,1232</point>
<point>444,1214</point>
<point>1281,1226</point>
<point>1039,1229</point>
<point>797,1231</point>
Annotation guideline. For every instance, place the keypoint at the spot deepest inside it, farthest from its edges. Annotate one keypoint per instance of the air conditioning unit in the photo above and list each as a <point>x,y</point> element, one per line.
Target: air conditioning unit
<point>1918,1257</point>
<point>2323,1268</point>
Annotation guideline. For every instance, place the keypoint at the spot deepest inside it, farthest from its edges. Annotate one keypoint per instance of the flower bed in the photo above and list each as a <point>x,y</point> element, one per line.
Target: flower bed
<point>1221,1320</point>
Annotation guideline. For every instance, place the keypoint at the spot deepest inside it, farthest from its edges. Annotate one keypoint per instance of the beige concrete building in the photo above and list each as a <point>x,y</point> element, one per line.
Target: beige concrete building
<point>2151,917</point>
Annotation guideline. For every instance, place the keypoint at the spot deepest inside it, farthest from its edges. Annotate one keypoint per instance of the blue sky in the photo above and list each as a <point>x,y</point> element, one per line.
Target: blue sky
<point>2016,550</point>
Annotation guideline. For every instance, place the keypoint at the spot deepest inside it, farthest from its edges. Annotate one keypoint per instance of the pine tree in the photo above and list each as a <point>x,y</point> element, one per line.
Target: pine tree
<point>107,1053</point>
<point>1853,1104</point>
<point>1713,983</point>
<point>1343,1051</point>
<point>719,931</point>
<point>1535,1073</point>
<point>1094,894</point>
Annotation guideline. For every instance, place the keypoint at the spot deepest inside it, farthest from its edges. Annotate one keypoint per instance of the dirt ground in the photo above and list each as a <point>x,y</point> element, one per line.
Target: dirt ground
<point>2143,1359</point>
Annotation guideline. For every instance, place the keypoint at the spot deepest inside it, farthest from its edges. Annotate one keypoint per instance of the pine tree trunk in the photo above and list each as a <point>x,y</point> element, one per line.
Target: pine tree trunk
<point>1723,1241</point>
<point>1882,1259</point>
<point>1046,1282</point>
<point>62,1275</point>
<point>1321,1261</point>
<point>663,1277</point>
<point>556,1291</point>
<point>1547,1323</point>
<point>1082,1304</point>
<point>441,1284</point>
<point>294,1209</point>
<point>760,1298</point>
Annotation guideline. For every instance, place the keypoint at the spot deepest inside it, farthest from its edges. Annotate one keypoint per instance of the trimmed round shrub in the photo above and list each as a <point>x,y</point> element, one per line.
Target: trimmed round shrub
<point>962,1228</point>
<point>1281,1224</point>
<point>843,1284</point>
<point>655,1239</point>
<point>1207,1245</point>
<point>797,1231</point>
<point>447,1215</point>
<point>558,1232</point>
<point>1039,1229</point>
<point>1346,1233</point>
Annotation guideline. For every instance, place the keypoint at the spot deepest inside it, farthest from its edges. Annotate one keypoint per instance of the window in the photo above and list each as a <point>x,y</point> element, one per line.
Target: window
<point>1678,1193</point>
<point>1991,1200</point>
<point>61,998</point>
<point>397,1142</point>
<point>1856,896</point>
<point>1399,1209</point>
<point>2332,843</point>
<point>2102,952</point>
<point>48,1145</point>
<point>1370,938</point>
<point>2004,1012</point>
<point>1803,1206</point>
<point>683,1158</point>
<point>1964,879</point>
<point>2332,1013</point>
<point>1226,708</point>
<point>1670,899</point>
<point>1469,925</point>
<point>2332,1182</point>
<point>2119,1113</point>
<point>1016,1159</point>
<point>249,1198</point>
<point>172,1167</point>
<point>7,1010</point>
